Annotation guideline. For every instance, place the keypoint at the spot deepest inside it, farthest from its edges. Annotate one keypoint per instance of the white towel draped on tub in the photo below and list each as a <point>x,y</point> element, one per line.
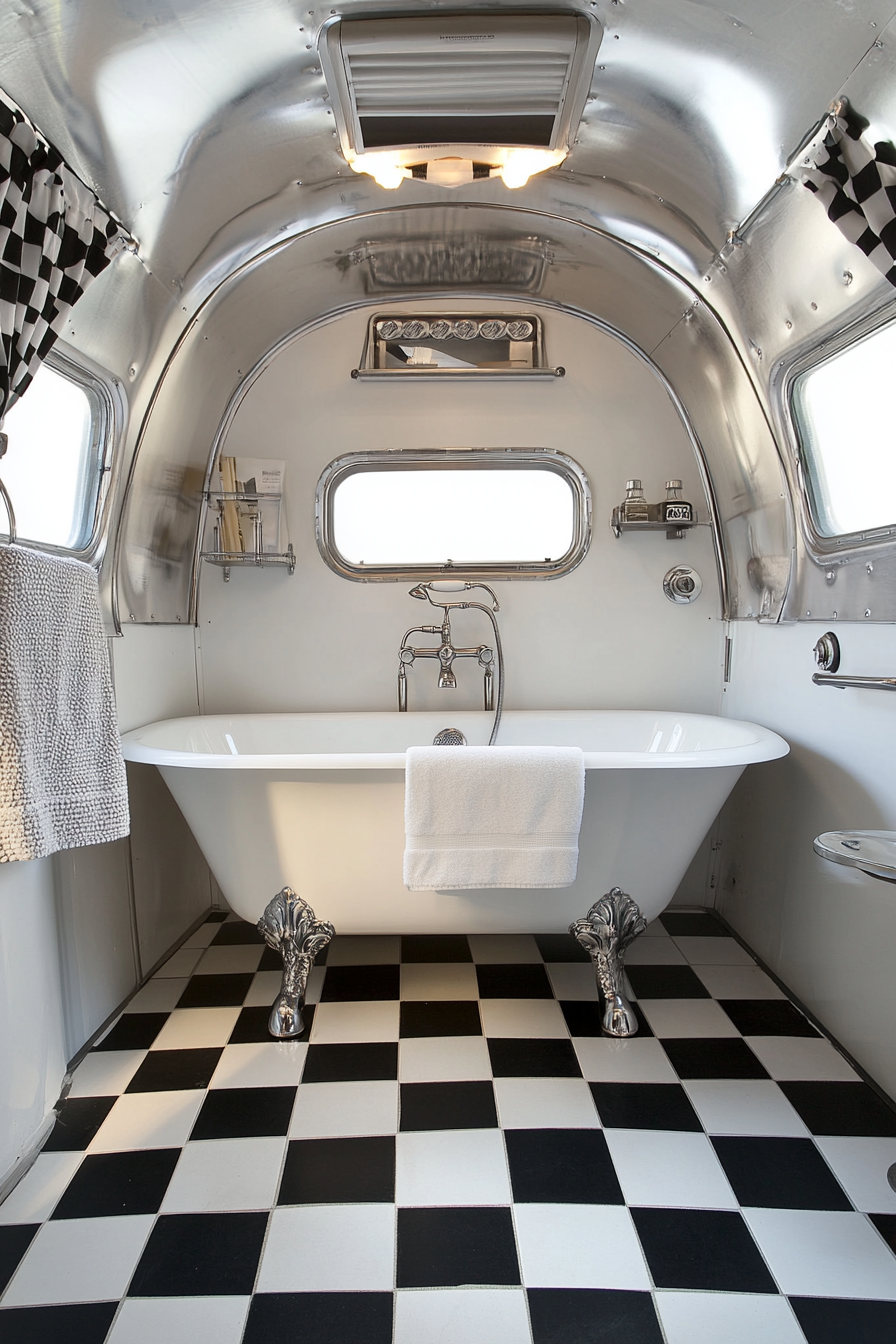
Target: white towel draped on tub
<point>492,817</point>
<point>62,778</point>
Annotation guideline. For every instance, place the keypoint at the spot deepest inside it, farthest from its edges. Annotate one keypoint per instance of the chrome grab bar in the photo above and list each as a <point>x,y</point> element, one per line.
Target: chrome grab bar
<point>864,683</point>
<point>4,495</point>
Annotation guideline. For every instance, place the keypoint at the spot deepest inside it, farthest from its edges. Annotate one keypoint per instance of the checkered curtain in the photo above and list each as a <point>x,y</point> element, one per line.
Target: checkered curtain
<point>856,183</point>
<point>55,238</point>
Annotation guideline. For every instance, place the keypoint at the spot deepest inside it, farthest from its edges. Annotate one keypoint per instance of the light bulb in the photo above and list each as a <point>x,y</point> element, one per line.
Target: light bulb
<point>521,164</point>
<point>385,169</point>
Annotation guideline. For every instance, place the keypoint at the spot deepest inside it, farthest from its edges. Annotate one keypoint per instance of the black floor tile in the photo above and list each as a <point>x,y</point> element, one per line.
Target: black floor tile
<point>244,1113</point>
<point>79,1323</point>
<point>78,1121</point>
<point>533,1058</point>
<point>561,1166</point>
<point>133,1031</point>
<point>666,982</point>
<point>592,1316</point>
<point>320,1318</point>
<point>644,1106</point>
<point>361,984</point>
<point>14,1242</point>
<point>779,1173</point>
<point>832,1320</point>
<point>353,1063</point>
<point>235,933</point>
<point>216,916</point>
<point>841,1108</point>
<point>176,1070</point>
<point>693,924</point>
<point>108,1185</point>
<point>509,981</point>
<point>886,1226</point>
<point>705,1057</point>
<point>272,960</point>
<point>560,947</point>
<point>466,1105</point>
<point>767,1017</point>
<point>423,947</point>
<point>701,1248</point>
<point>216,991</point>
<point>339,1171</point>
<point>441,1017</point>
<point>200,1255</point>
<point>252,1025</point>
<point>446,1248</point>
<point>584,1017</point>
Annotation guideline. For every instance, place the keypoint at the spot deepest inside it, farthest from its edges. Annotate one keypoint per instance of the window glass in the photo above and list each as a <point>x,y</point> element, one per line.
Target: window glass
<point>381,515</point>
<point>53,466</point>
<point>844,416</point>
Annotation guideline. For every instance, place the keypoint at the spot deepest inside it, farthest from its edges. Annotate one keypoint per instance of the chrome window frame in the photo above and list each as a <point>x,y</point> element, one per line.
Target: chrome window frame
<point>820,545</point>
<point>453,459</point>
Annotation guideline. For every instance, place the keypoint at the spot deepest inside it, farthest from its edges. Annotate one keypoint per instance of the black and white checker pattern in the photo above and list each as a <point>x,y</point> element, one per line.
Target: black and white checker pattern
<point>856,183</point>
<point>455,1153</point>
<point>55,238</point>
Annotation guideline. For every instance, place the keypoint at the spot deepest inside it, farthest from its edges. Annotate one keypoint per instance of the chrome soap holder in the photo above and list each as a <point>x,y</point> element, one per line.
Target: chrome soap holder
<point>672,515</point>
<point>253,553</point>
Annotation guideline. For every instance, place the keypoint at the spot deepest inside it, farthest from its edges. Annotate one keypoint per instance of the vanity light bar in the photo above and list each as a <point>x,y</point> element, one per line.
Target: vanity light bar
<point>461,328</point>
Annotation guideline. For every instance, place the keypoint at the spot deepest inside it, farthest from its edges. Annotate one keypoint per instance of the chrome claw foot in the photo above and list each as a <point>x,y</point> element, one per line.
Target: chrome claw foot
<point>291,928</point>
<point>610,926</point>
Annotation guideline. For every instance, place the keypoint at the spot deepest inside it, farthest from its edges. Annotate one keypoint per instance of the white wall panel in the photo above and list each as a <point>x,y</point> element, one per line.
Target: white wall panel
<point>828,931</point>
<point>155,673</point>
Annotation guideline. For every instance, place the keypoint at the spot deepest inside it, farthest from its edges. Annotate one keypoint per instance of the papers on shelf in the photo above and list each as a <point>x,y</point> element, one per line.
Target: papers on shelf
<point>244,521</point>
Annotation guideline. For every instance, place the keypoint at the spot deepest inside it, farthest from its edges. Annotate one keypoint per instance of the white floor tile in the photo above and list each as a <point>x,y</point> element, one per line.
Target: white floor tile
<point>579,1246</point>
<point>342,1110</point>
<point>106,1073</point>
<point>218,1175</point>
<point>266,986</point>
<point>655,929</point>
<point>148,1120</point>
<point>687,1017</point>
<point>158,995</point>
<point>792,1058</point>
<point>439,980</point>
<point>202,936</point>
<point>263,1064</point>
<point>523,1018</point>
<point>634,1061</point>
<point>330,1248</point>
<point>669,1169</point>
<point>79,1260</point>
<point>822,1254</point>
<point>180,1320</point>
<point>195,1028</point>
<point>38,1192</point>
<point>346,950</point>
<point>646,951</point>
<point>860,1165</point>
<point>182,962</point>
<point>545,1103</point>
<point>447,1167</point>
<point>494,948</point>
<point>467,1315</point>
<point>744,1106</point>
<point>341,1022</point>
<point>735,1318</point>
<point>573,980</point>
<point>443,1059</point>
<point>738,982</point>
<point>714,951</point>
<point>233,959</point>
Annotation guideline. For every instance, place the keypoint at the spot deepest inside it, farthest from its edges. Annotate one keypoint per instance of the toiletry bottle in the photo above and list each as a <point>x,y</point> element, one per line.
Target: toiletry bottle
<point>634,506</point>
<point>676,510</point>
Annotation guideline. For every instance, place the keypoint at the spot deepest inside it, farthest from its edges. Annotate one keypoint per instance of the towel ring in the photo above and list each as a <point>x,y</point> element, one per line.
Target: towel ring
<point>4,494</point>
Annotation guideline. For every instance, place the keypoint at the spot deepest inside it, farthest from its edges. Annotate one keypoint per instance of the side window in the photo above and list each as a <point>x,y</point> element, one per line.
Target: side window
<point>60,441</point>
<point>842,409</point>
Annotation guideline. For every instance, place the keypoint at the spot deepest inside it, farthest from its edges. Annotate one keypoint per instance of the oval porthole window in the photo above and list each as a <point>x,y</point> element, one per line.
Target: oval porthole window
<point>510,513</point>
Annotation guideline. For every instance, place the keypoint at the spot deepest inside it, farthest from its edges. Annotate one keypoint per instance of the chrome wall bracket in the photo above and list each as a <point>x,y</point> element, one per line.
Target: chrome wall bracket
<point>290,927</point>
<point>610,926</point>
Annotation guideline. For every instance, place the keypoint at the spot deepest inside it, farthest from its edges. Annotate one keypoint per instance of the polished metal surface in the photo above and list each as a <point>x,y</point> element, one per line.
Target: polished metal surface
<point>827,652</point>
<point>610,926</point>
<point>872,851</point>
<point>449,737</point>
<point>7,502</point>
<point>290,927</point>
<point>842,683</point>
<point>682,584</point>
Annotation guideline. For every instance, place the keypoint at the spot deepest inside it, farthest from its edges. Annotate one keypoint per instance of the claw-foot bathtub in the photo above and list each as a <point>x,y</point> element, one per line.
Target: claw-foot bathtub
<point>316,802</point>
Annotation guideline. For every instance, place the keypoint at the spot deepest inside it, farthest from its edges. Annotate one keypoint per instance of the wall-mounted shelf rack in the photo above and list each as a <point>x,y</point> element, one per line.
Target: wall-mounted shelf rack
<point>252,513</point>
<point>674,531</point>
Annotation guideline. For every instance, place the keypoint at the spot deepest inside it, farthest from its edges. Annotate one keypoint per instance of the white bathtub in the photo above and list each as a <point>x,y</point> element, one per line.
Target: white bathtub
<point>316,802</point>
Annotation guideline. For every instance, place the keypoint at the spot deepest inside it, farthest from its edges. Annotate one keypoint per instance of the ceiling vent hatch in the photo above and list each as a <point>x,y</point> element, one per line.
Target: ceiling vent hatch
<point>444,81</point>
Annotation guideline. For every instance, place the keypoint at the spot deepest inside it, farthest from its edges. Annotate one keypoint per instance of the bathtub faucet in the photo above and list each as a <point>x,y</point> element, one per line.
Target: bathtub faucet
<point>436,592</point>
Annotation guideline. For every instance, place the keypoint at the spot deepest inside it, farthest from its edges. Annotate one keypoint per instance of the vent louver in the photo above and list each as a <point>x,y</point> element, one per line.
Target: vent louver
<point>446,82</point>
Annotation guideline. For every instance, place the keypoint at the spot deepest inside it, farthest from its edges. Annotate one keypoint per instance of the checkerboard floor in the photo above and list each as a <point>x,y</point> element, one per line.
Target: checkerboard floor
<point>453,1153</point>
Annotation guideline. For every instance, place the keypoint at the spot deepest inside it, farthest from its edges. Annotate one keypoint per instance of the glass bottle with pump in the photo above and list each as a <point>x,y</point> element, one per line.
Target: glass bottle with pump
<point>676,511</point>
